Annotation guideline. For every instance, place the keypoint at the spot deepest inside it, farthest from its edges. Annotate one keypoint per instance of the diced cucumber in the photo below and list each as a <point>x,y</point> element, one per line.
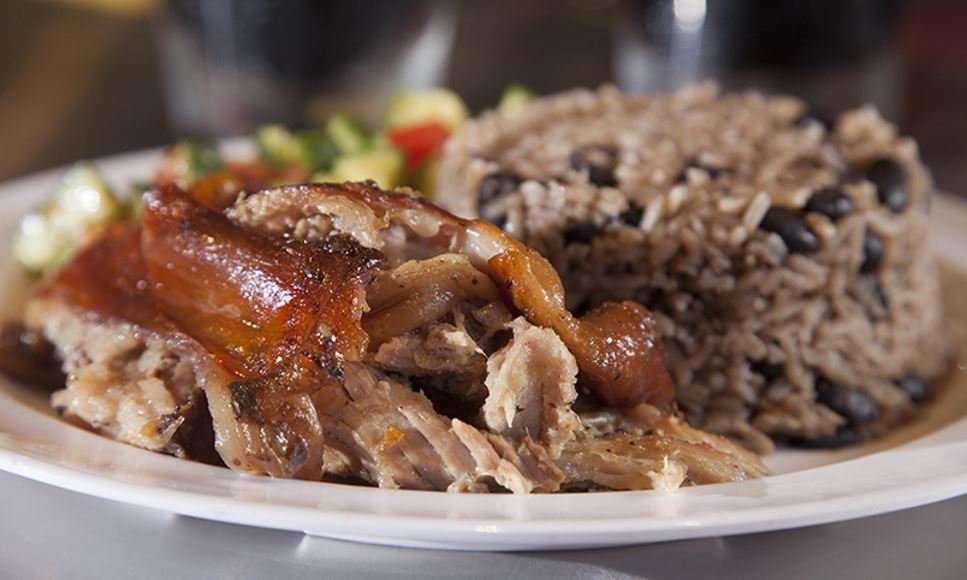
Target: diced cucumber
<point>278,145</point>
<point>81,205</point>
<point>189,160</point>
<point>82,201</point>
<point>514,97</point>
<point>37,245</point>
<point>83,174</point>
<point>413,108</point>
<point>348,135</point>
<point>317,151</point>
<point>383,165</point>
<point>136,204</point>
<point>203,158</point>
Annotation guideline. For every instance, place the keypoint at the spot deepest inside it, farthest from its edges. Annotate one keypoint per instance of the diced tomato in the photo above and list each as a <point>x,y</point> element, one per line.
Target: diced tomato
<point>419,142</point>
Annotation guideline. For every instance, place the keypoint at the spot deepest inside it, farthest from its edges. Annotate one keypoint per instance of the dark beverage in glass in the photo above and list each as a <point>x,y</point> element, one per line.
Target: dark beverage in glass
<point>833,53</point>
<point>230,65</point>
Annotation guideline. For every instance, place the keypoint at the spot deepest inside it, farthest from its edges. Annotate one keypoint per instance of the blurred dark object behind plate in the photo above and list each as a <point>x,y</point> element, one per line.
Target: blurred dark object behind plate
<point>80,83</point>
<point>834,54</point>
<point>230,65</point>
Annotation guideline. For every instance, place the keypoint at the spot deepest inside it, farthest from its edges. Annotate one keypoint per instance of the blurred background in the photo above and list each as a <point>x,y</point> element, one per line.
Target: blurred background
<point>84,78</point>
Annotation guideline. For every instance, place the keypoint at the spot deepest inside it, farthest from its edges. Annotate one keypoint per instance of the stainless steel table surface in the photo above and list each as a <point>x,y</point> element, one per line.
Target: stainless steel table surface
<point>46,532</point>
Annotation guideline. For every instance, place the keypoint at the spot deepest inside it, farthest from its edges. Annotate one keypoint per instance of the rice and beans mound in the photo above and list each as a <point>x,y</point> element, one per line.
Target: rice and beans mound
<point>786,260</point>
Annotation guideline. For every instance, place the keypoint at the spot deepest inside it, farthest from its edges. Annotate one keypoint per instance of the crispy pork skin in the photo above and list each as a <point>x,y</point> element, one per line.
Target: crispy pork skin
<point>130,374</point>
<point>280,315</point>
<point>618,348</point>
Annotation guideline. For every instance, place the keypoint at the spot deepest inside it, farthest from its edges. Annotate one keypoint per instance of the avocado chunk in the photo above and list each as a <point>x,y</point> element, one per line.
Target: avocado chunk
<point>425,181</point>
<point>413,108</point>
<point>277,145</point>
<point>383,165</point>
<point>514,97</point>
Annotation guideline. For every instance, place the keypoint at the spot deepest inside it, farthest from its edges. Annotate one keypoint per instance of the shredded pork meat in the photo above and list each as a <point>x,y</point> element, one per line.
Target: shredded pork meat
<point>662,457</point>
<point>342,331</point>
<point>530,386</point>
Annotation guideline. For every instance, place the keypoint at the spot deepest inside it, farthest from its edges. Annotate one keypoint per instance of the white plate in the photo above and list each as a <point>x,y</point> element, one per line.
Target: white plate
<point>923,462</point>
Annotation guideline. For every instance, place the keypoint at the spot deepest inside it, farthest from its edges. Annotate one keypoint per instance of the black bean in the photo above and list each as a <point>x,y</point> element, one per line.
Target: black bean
<point>842,437</point>
<point>498,220</point>
<point>790,226</point>
<point>497,184</point>
<point>914,386</point>
<point>881,296</point>
<point>599,163</point>
<point>872,252</point>
<point>770,371</point>
<point>831,202</point>
<point>823,120</point>
<point>853,404</point>
<point>632,216</point>
<point>581,233</point>
<point>890,179</point>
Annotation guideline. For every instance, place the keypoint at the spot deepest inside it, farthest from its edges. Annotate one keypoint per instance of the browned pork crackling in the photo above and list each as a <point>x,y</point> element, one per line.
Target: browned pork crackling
<point>343,332</point>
